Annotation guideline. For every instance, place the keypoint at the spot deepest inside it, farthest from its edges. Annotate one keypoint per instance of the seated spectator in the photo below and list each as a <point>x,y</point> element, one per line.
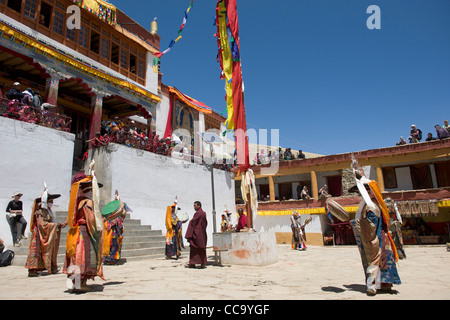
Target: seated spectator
<point>441,132</point>
<point>15,93</point>
<point>401,142</point>
<point>304,195</point>
<point>446,126</point>
<point>415,135</point>
<point>98,141</point>
<point>323,192</point>
<point>288,154</point>
<point>430,137</point>
<point>301,155</point>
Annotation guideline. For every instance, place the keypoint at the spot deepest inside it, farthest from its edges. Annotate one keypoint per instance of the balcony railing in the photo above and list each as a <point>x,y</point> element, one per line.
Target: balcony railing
<point>43,117</point>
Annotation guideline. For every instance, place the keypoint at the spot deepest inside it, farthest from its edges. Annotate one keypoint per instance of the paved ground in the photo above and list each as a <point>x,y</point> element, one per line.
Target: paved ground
<point>320,273</point>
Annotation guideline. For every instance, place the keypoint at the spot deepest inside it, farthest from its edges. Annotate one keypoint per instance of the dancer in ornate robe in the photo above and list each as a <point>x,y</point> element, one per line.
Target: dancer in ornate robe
<point>45,236</point>
<point>395,227</point>
<point>197,237</point>
<point>114,215</point>
<point>84,245</point>
<point>376,246</point>
<point>298,231</point>
<point>174,235</point>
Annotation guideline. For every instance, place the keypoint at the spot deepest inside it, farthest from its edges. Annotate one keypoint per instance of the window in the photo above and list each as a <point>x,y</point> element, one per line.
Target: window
<point>389,177</point>
<point>30,9</point>
<point>58,22</point>
<point>16,5</point>
<point>105,48</point>
<point>115,53</point>
<point>132,63</point>
<point>83,36</point>
<point>124,58</point>
<point>71,34</point>
<point>141,69</point>
<point>45,15</point>
<point>95,41</point>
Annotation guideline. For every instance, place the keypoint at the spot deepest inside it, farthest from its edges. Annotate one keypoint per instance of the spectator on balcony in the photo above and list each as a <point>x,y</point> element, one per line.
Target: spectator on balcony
<point>401,142</point>
<point>446,126</point>
<point>288,154</point>
<point>14,92</point>
<point>304,194</point>
<point>430,137</point>
<point>27,97</point>
<point>415,135</point>
<point>301,155</point>
<point>98,141</point>
<point>37,100</point>
<point>441,132</point>
<point>323,192</point>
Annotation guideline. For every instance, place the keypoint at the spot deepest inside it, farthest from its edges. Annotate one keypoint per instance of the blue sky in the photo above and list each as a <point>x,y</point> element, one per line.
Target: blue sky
<point>312,68</point>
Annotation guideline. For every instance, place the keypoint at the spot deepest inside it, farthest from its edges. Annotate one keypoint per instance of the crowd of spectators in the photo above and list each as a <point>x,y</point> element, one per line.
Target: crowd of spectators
<point>134,136</point>
<point>28,106</point>
<point>415,135</point>
<point>282,155</point>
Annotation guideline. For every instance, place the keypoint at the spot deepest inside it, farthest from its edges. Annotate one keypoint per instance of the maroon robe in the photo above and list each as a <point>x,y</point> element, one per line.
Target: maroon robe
<point>197,238</point>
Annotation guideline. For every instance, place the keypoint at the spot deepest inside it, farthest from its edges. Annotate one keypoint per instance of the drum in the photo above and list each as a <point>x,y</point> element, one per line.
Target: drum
<point>113,210</point>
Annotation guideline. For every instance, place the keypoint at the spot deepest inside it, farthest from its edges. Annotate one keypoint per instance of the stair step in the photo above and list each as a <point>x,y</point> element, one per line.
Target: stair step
<point>140,242</point>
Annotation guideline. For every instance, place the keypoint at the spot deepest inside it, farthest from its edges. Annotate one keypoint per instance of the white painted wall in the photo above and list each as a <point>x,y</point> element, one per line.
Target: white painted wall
<point>283,223</point>
<point>148,183</point>
<point>30,155</point>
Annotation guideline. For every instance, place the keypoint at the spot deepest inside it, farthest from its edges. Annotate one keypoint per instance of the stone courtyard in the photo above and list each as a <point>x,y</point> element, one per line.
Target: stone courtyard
<point>319,273</point>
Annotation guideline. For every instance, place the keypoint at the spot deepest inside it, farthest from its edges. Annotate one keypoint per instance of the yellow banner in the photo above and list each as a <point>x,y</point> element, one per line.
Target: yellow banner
<point>227,61</point>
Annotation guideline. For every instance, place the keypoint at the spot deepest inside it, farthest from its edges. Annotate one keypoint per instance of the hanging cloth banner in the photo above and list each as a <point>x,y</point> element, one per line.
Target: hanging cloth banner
<point>225,58</point>
<point>172,42</point>
<point>229,52</point>
<point>104,10</point>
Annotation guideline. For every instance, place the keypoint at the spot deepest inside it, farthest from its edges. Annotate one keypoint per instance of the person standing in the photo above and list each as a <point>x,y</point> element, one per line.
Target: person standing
<point>46,233</point>
<point>298,231</point>
<point>15,219</point>
<point>376,246</point>
<point>197,237</point>
<point>174,235</point>
<point>114,214</point>
<point>84,244</point>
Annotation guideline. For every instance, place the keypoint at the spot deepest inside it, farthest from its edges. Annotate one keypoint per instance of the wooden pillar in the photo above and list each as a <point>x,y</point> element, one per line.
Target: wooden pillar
<point>380,178</point>
<point>314,186</point>
<point>51,89</point>
<point>271,188</point>
<point>249,212</point>
<point>96,116</point>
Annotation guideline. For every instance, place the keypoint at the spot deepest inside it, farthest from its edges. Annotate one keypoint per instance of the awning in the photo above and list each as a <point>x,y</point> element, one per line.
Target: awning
<point>197,105</point>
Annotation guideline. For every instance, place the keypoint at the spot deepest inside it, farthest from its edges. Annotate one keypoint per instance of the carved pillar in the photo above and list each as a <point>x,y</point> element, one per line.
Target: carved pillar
<point>96,113</point>
<point>52,87</point>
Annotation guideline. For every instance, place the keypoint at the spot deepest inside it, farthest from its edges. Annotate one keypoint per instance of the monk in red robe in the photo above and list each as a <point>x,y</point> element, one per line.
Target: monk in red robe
<point>197,238</point>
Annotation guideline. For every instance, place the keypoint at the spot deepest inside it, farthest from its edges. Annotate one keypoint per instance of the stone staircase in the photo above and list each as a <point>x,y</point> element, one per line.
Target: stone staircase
<point>140,242</point>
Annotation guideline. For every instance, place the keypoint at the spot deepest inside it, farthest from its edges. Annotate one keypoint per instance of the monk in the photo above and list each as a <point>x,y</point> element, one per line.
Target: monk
<point>197,238</point>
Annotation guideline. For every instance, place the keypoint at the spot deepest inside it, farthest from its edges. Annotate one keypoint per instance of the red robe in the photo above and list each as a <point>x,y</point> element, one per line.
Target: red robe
<point>197,238</point>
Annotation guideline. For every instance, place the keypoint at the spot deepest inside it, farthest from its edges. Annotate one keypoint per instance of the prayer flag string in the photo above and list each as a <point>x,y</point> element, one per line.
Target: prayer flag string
<point>183,24</point>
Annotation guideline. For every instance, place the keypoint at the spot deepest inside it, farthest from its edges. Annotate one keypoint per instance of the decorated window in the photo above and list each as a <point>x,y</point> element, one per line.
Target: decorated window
<point>30,9</point>
<point>58,22</point>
